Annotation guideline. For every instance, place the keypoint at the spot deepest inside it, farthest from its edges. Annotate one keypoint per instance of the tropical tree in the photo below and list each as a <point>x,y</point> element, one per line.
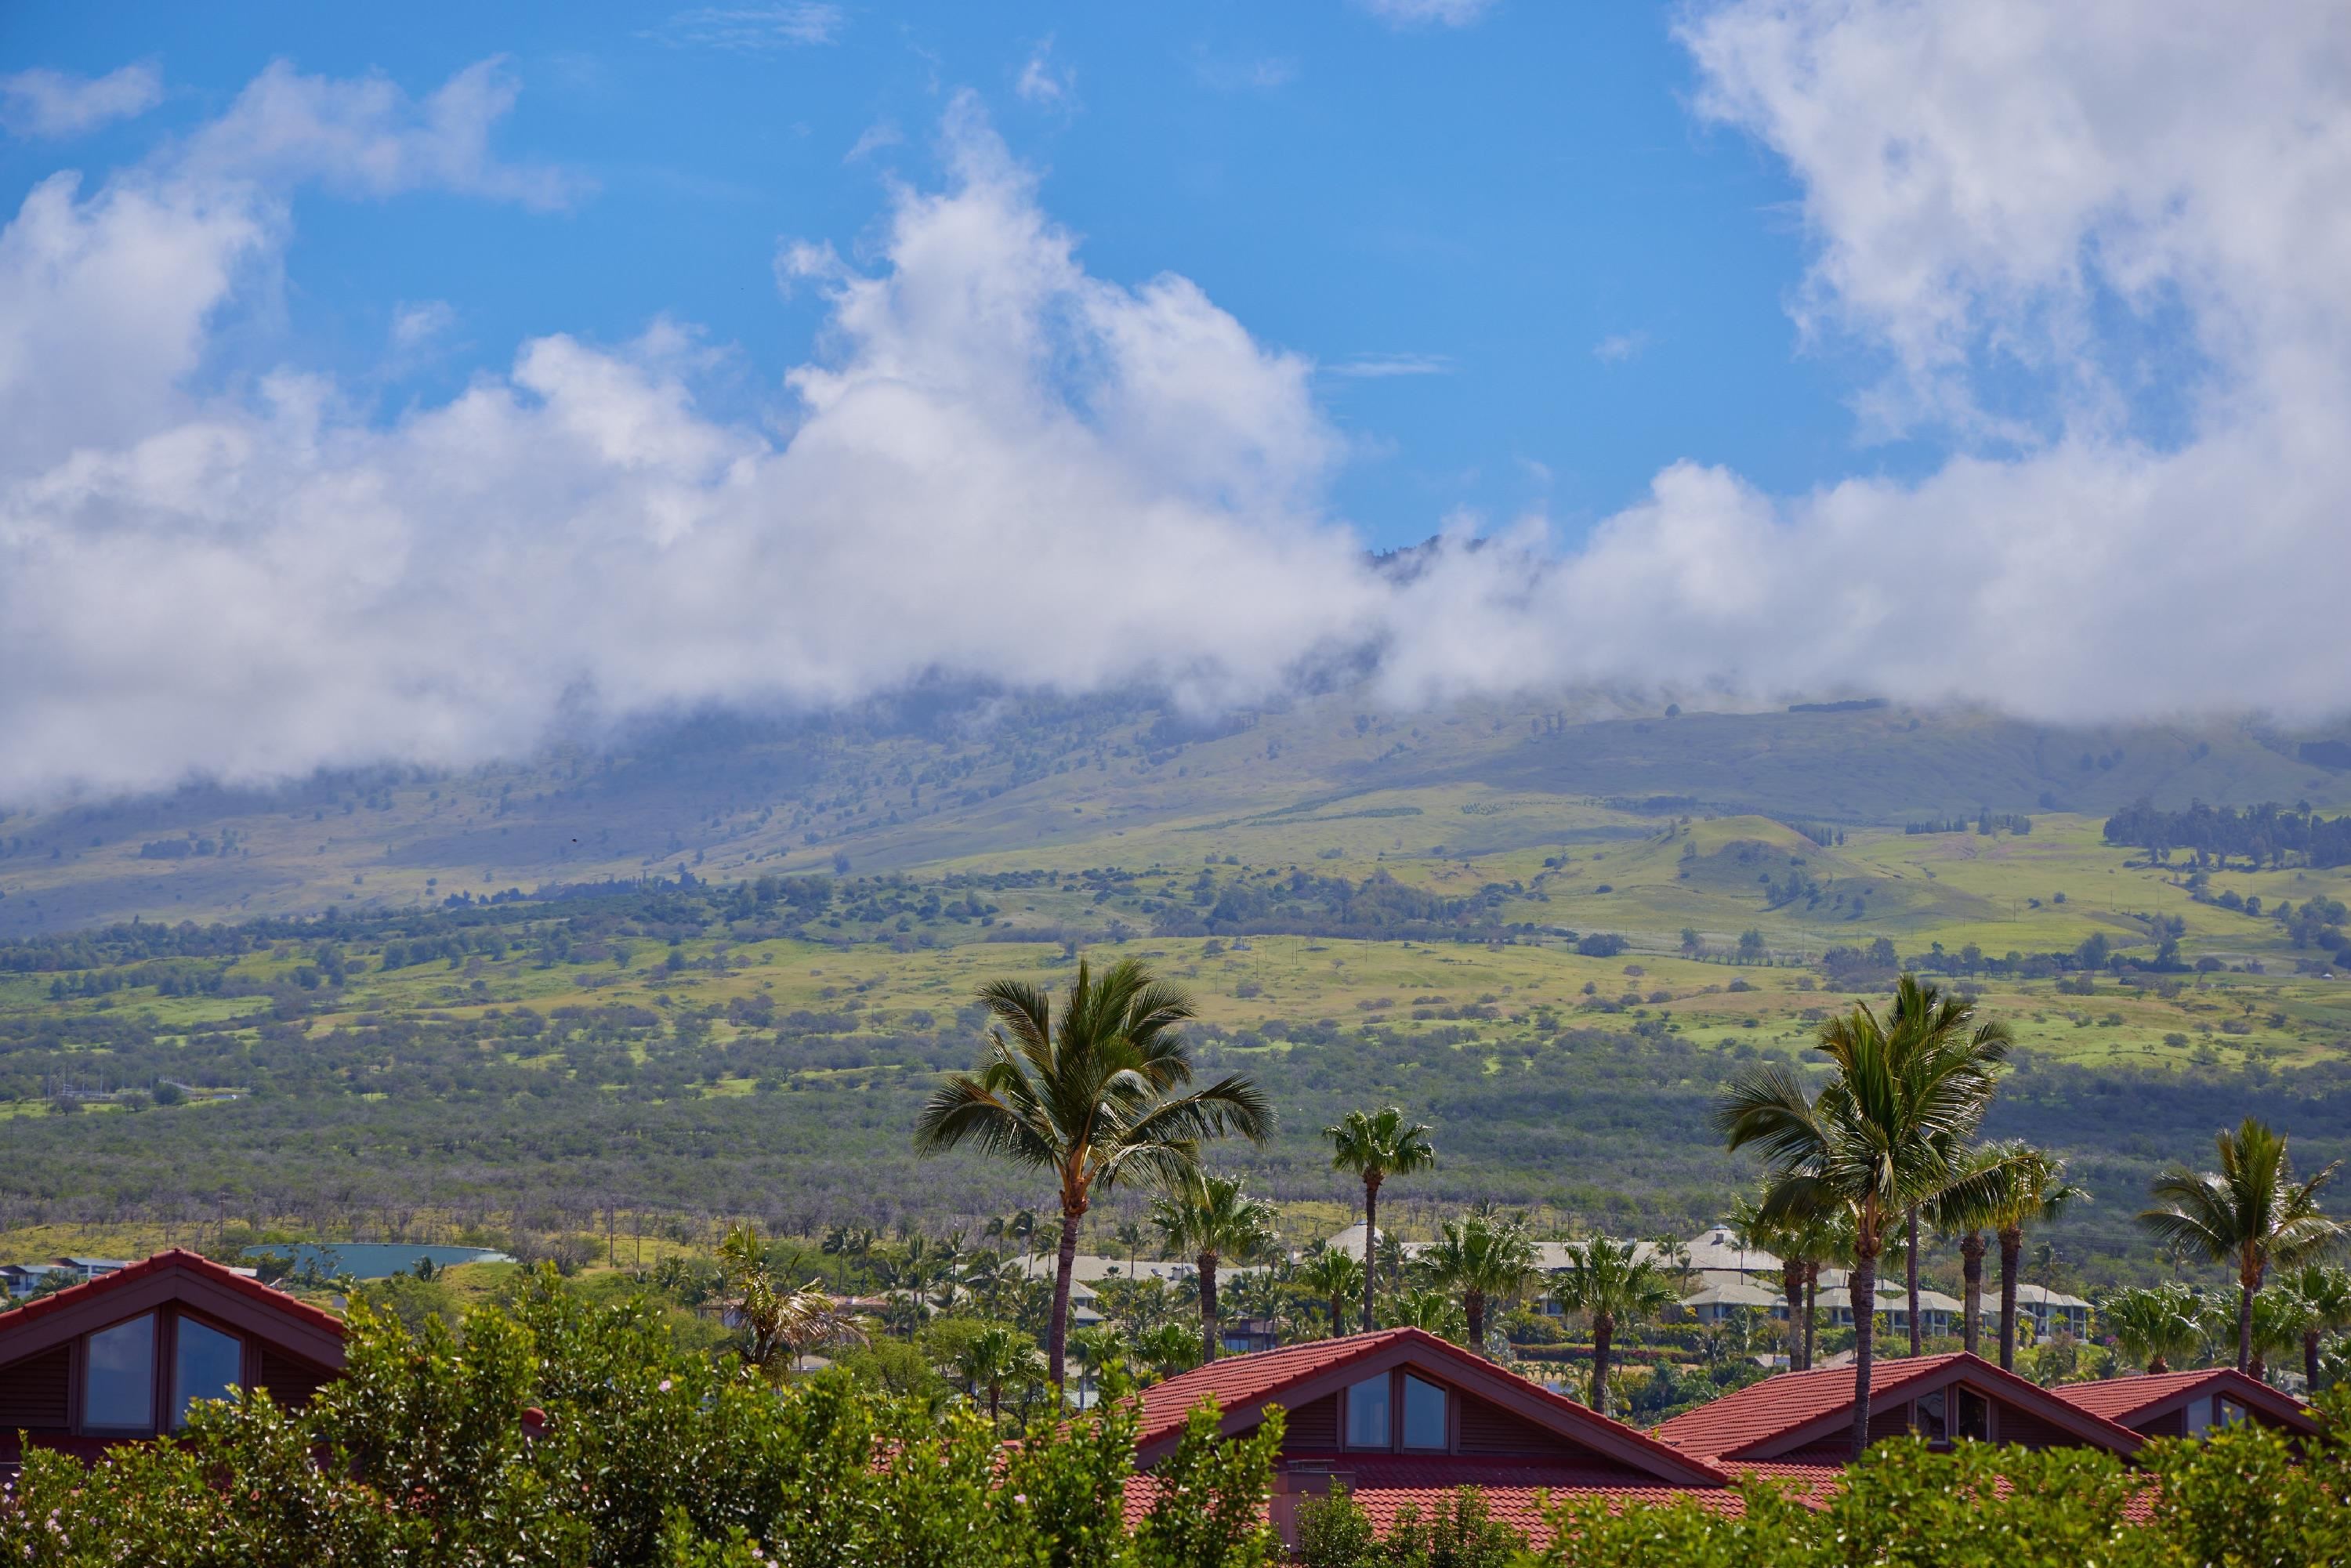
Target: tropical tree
<point>1375,1145</point>
<point>1966,1223</point>
<point>1209,1218</point>
<point>1095,1095</point>
<point>1096,1349</point>
<point>1432,1312</point>
<point>2029,1187</point>
<point>996,1358</point>
<point>2251,1213</point>
<point>777,1321</point>
<point>1484,1262</point>
<point>1881,1135</point>
<point>2155,1327</point>
<point>1131,1236</point>
<point>1168,1349</point>
<point>2322,1296</point>
<point>1752,1232</point>
<point>1611,1288</point>
<point>1335,1277</point>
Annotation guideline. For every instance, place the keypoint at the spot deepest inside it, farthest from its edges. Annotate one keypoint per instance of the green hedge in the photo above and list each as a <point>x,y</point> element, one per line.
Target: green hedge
<point>655,1455</point>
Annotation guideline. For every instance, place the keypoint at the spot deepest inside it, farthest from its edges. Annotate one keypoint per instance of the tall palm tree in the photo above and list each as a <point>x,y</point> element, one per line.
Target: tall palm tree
<point>1095,1348</point>
<point>2030,1188</point>
<point>1754,1233</point>
<point>1881,1135</point>
<point>2251,1213</point>
<point>1604,1282</point>
<point>1131,1236</point>
<point>1095,1095</point>
<point>1966,1224</point>
<point>2155,1327</point>
<point>1335,1277</point>
<point>1484,1262</point>
<point>1376,1145</point>
<point>2322,1295</point>
<point>1209,1218</point>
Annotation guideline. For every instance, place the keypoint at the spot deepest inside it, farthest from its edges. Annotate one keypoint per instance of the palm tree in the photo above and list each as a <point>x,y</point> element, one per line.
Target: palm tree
<point>2031,1186</point>
<point>2250,1212</point>
<point>1433,1312</point>
<point>1131,1236</point>
<point>1210,1218</point>
<point>2155,1327</point>
<point>1096,1348</point>
<point>1485,1262</point>
<point>1095,1095</point>
<point>1966,1223</point>
<point>1376,1145</point>
<point>1604,1283</point>
<point>1335,1277</point>
<point>1752,1232</point>
<point>993,1360</point>
<point>2322,1296</point>
<point>775,1319</point>
<point>1881,1135</point>
<point>1168,1349</point>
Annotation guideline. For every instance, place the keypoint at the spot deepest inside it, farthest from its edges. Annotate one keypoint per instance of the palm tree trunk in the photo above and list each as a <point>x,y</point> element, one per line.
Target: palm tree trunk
<point>1971,1251</point>
<point>1910,1267</point>
<point>1604,1329</point>
<point>1058,1339</point>
<point>1865,1336</point>
<point>2247,1282</point>
<point>1371,1243</point>
<point>1208,1308</point>
<point>1338,1316</point>
<point>2012,1252</point>
<point>1473,1307</point>
<point>2310,1364</point>
<point>1812,1309</point>
<point>1792,1285</point>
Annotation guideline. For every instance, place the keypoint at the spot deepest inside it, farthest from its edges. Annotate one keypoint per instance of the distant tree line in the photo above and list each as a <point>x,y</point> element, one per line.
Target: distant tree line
<point>2267,834</point>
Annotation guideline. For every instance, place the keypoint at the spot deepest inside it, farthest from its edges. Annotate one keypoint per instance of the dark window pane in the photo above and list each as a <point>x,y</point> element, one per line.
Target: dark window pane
<point>206,1365</point>
<point>1424,1415</point>
<point>119,1387</point>
<point>1367,1412</point>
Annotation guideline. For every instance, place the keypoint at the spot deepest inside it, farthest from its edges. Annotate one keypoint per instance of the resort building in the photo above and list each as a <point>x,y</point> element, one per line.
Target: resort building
<point>2189,1404</point>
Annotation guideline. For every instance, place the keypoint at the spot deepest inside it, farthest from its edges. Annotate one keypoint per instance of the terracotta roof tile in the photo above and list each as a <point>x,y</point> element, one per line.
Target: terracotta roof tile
<point>2119,1399</point>
<point>1777,1406</point>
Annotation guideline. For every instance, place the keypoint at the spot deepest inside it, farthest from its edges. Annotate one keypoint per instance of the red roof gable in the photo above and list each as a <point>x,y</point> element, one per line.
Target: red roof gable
<point>138,1280</point>
<point>1765,1414</point>
<point>1242,1383</point>
<point>2124,1399</point>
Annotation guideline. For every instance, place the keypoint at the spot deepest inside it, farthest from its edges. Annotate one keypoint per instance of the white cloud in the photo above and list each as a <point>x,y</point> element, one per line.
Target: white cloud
<point>255,584</point>
<point>416,324</point>
<point>1378,367</point>
<point>1039,83</point>
<point>752,29</point>
<point>1259,74</point>
<point>50,103</point>
<point>1428,13</point>
<point>366,137</point>
<point>881,134</point>
<point>1618,347</point>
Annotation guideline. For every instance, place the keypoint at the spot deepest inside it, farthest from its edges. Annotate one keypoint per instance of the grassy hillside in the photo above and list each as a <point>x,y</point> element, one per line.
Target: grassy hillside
<point>957,779</point>
<point>1563,1009</point>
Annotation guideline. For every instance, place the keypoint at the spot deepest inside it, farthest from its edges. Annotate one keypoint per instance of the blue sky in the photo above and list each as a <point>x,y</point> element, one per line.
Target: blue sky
<point>1571,282</point>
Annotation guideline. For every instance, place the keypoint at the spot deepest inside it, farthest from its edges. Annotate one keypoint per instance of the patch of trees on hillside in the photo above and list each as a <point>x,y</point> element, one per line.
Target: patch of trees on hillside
<point>2268,834</point>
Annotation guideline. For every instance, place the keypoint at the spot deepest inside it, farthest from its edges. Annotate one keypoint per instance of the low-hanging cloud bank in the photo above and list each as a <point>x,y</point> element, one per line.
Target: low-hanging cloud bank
<point>1003,467</point>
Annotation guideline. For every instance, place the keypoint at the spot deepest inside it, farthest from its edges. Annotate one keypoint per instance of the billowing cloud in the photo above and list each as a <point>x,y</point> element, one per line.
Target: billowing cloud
<point>1004,467</point>
<point>43,102</point>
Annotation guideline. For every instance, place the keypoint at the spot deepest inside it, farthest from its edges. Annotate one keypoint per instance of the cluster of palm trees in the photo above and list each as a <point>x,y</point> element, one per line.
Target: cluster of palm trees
<point>2295,1314</point>
<point>1888,1143</point>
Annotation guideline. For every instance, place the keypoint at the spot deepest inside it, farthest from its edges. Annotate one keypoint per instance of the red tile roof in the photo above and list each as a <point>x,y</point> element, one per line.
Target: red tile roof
<point>2120,1398</point>
<point>1779,1407</point>
<point>178,1258</point>
<point>1241,1379</point>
